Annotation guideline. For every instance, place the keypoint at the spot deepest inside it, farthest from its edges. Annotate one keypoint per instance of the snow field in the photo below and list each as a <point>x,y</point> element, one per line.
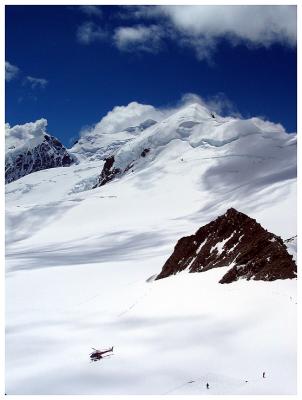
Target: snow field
<point>79,264</point>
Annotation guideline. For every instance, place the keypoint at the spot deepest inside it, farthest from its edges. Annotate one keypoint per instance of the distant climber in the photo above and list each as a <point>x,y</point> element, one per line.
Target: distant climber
<point>263,375</point>
<point>208,386</point>
<point>212,115</point>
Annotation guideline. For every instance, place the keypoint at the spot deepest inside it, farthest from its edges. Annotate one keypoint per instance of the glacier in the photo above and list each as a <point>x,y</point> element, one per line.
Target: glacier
<point>81,265</point>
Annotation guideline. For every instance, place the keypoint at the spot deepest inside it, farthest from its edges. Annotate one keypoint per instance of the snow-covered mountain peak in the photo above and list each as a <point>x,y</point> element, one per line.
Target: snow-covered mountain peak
<point>194,111</point>
<point>112,132</point>
<point>26,136</point>
<point>98,144</point>
<point>194,126</point>
<point>29,148</point>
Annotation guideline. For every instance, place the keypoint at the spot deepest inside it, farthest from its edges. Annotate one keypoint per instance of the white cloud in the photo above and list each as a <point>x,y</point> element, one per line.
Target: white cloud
<point>91,10</point>
<point>20,135</point>
<point>201,27</point>
<point>198,27</point>
<point>257,24</point>
<point>122,117</point>
<point>139,38</point>
<point>89,32</point>
<point>36,82</point>
<point>11,71</point>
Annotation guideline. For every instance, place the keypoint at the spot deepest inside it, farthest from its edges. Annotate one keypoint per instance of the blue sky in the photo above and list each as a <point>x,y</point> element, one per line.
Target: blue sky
<point>72,64</point>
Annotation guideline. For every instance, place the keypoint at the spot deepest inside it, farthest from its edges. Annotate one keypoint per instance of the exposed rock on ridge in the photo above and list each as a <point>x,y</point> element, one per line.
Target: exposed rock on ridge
<point>108,173</point>
<point>234,240</point>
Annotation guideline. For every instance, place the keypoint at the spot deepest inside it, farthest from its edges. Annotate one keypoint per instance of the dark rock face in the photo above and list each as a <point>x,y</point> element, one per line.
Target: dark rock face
<point>108,172</point>
<point>234,240</point>
<point>290,240</point>
<point>49,154</point>
<point>145,152</point>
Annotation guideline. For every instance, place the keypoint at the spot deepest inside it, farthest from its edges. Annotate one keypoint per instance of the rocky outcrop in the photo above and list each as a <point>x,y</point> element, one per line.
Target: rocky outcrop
<point>108,172</point>
<point>145,152</point>
<point>237,241</point>
<point>50,153</point>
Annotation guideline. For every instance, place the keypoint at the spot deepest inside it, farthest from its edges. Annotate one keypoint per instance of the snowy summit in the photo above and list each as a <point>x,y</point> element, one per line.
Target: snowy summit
<point>29,148</point>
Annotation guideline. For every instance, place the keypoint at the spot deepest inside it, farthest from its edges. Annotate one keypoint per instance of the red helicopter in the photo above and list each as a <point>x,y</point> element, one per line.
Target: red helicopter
<point>99,354</point>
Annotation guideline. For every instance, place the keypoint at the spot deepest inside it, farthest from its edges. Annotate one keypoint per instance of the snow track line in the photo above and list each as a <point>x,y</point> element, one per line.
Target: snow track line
<point>135,303</point>
<point>178,387</point>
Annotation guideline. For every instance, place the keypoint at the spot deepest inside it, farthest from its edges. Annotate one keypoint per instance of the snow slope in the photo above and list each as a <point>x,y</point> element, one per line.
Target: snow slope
<point>81,264</point>
<point>97,145</point>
